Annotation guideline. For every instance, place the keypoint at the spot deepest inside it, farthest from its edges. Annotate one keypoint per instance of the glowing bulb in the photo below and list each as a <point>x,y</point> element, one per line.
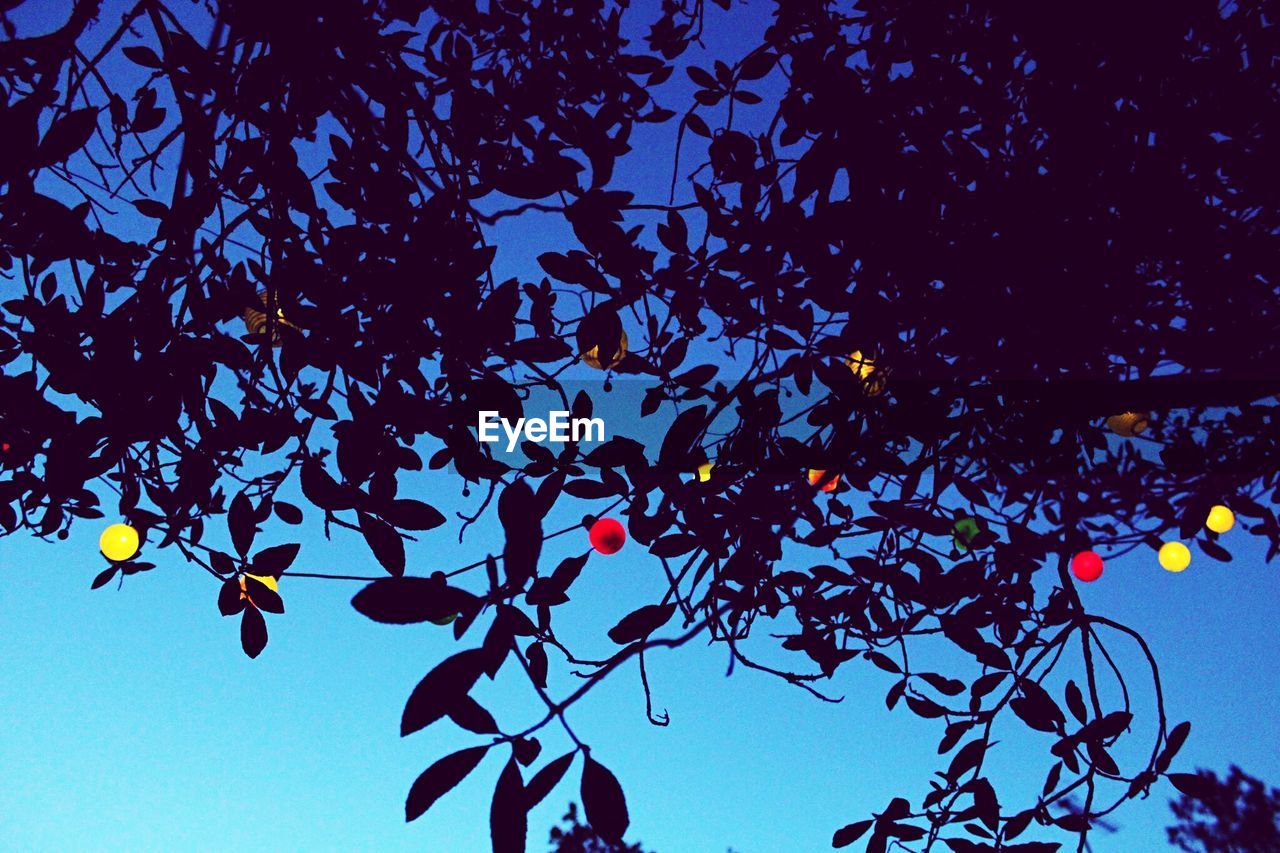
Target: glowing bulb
<point>591,358</point>
<point>817,475</point>
<point>256,321</point>
<point>864,367</point>
<point>861,365</point>
<point>1220,519</point>
<point>1087,566</point>
<point>266,580</point>
<point>607,536</point>
<point>1129,424</point>
<point>119,542</point>
<point>963,531</point>
<point>704,471</point>
<point>1174,556</point>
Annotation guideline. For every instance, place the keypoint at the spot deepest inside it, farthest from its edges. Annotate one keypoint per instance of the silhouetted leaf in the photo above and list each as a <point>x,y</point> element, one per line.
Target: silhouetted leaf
<point>472,716</point>
<point>641,623</point>
<point>406,600</point>
<point>274,560</point>
<point>142,55</point>
<point>537,657</point>
<point>241,524</point>
<point>384,542</point>
<point>851,833</point>
<point>546,779</point>
<point>440,689</point>
<point>230,597</point>
<point>604,802</point>
<point>263,597</point>
<point>414,515</point>
<point>253,632</point>
<point>1193,785</point>
<point>68,135</point>
<point>508,816</point>
<point>522,524</point>
<point>287,512</point>
<point>439,779</point>
<point>1177,737</point>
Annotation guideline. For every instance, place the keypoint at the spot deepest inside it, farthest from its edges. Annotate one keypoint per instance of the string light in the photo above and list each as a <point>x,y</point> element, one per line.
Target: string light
<point>1129,424</point>
<point>607,536</point>
<point>266,580</point>
<point>1174,556</point>
<point>1220,519</point>
<point>119,542</point>
<point>963,531</point>
<point>864,367</point>
<point>256,321</point>
<point>1086,566</point>
<point>828,482</point>
<point>591,358</point>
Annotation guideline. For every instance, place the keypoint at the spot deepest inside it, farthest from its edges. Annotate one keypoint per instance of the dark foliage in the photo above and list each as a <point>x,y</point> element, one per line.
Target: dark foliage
<point>1237,814</point>
<point>576,837</point>
<point>1031,216</point>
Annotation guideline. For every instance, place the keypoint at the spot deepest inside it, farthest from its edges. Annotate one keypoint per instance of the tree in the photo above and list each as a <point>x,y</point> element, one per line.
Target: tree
<point>575,837</point>
<point>925,248</point>
<point>1236,814</point>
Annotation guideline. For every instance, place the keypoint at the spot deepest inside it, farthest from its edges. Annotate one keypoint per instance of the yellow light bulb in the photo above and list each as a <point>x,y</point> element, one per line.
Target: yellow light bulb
<point>266,580</point>
<point>1220,519</point>
<point>591,358</point>
<point>1129,424</point>
<point>704,471</point>
<point>1174,556</point>
<point>862,365</point>
<point>118,542</point>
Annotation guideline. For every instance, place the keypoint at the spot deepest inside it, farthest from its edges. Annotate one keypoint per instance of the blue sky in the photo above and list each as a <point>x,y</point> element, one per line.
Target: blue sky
<point>131,720</point>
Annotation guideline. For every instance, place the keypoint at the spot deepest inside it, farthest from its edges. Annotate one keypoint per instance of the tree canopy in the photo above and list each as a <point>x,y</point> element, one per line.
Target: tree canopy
<point>1235,814</point>
<point>926,248</point>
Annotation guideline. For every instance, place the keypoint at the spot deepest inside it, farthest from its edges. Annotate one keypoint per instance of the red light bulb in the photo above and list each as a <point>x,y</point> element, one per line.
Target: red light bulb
<point>1086,566</point>
<point>607,536</point>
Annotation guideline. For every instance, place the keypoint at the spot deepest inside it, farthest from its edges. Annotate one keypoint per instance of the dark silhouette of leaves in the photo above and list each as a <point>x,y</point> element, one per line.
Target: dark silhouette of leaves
<point>641,623</point>
<point>851,833</point>
<point>439,779</point>
<point>240,520</point>
<point>508,816</point>
<point>522,525</point>
<point>68,134</point>
<point>1235,814</point>
<point>275,560</point>
<point>546,779</point>
<point>440,689</point>
<point>263,597</point>
<point>253,632</point>
<point>574,837</point>
<point>230,597</point>
<point>603,801</point>
<point>405,600</point>
<point>384,542</point>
